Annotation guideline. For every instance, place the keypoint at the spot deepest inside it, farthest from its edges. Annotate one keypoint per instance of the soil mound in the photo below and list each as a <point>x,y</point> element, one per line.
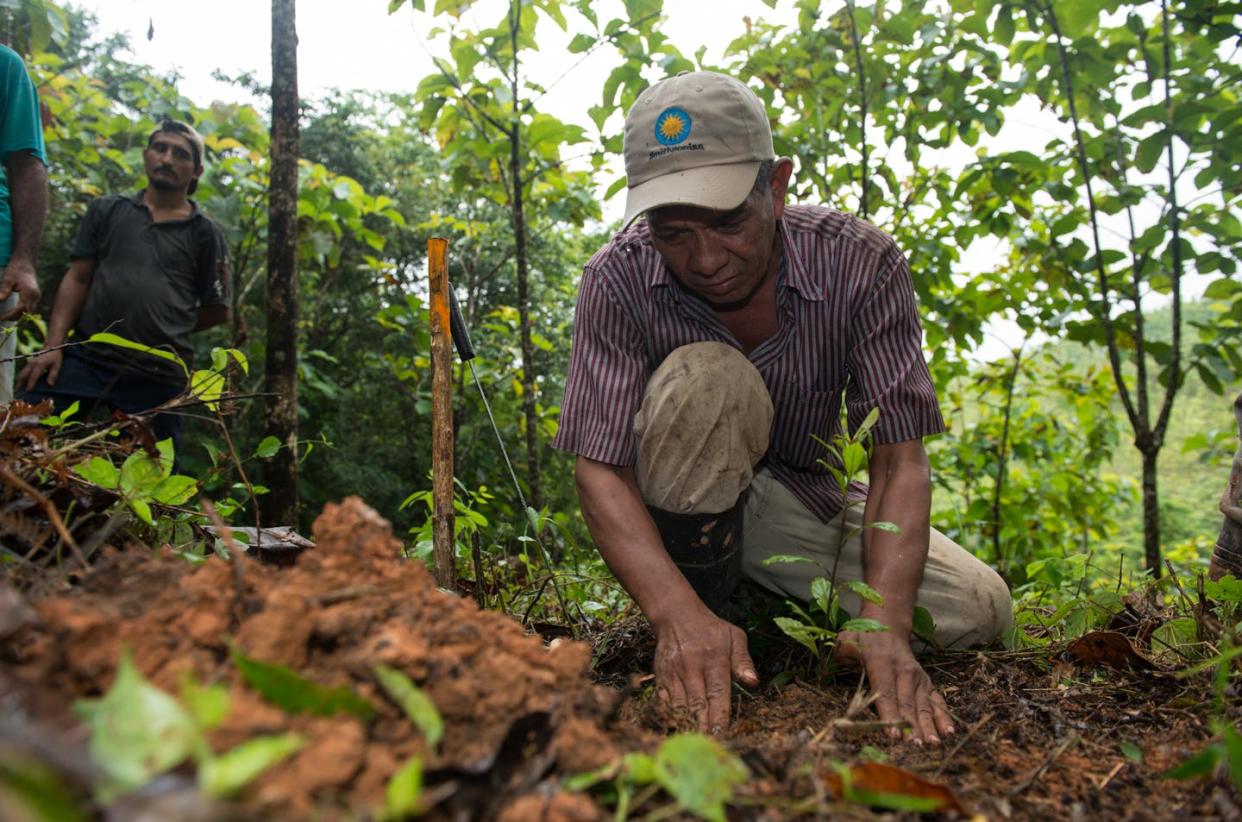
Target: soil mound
<point>514,710</point>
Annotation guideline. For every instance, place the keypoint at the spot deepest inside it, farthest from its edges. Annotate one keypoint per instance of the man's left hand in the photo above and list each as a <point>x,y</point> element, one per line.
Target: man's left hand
<point>19,276</point>
<point>904,691</point>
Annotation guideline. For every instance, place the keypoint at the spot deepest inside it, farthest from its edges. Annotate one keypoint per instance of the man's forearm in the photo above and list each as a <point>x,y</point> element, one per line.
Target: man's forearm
<point>28,202</point>
<point>629,541</point>
<point>70,296</point>
<point>901,494</point>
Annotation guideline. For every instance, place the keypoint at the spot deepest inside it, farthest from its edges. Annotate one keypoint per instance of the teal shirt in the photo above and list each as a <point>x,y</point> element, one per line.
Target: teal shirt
<point>21,129</point>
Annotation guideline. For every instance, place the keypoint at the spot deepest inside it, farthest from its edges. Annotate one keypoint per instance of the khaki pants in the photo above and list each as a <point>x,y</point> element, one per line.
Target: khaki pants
<point>704,424</point>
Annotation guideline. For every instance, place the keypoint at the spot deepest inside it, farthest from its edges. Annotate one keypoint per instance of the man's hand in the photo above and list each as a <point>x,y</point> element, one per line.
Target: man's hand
<point>697,657</point>
<point>19,276</point>
<point>44,362</point>
<point>904,691</point>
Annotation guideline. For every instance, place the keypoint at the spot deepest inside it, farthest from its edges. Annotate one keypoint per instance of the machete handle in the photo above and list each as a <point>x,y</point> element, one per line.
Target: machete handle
<point>457,326</point>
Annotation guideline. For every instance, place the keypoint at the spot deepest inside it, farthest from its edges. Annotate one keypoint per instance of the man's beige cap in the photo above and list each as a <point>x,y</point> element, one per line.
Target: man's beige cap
<point>694,139</point>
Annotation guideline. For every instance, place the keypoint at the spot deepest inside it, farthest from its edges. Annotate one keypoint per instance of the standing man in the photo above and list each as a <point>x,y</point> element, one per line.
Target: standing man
<point>23,204</point>
<point>149,267</point>
<point>711,341</point>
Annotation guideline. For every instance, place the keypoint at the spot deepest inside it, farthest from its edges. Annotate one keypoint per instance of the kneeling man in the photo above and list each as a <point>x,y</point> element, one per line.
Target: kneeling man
<point>711,341</point>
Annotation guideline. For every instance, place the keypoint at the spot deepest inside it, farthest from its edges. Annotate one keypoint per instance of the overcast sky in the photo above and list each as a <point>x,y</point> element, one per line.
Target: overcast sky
<point>357,44</point>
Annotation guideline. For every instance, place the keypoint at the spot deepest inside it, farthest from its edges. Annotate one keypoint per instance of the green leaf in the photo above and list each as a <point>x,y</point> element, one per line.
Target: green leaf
<point>581,43</point>
<point>863,625</point>
<point>799,632</point>
<point>225,775</point>
<point>699,773</point>
<point>873,416</point>
<point>865,591</point>
<point>640,767</point>
<point>775,558</point>
<point>821,593</point>
<point>137,731</point>
<point>207,704</point>
<point>1200,765</point>
<point>403,790</point>
<point>289,691</point>
<point>241,360</point>
<point>121,342</point>
<point>416,704</point>
<point>890,527</point>
<point>36,792</point>
<point>267,447</point>
<point>853,459</point>
<point>99,471</point>
<point>1148,152</point>
<point>924,626</point>
<point>140,475</point>
<point>143,509</point>
<point>219,359</point>
<point>616,186</point>
<point>1131,751</point>
<point>208,386</point>
<point>174,490</point>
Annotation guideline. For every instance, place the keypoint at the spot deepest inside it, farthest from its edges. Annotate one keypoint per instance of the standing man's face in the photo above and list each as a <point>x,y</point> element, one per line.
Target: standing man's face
<point>169,162</point>
<point>723,256</point>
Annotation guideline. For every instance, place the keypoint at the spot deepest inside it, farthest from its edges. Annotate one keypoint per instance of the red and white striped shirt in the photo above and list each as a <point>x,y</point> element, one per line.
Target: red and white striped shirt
<point>848,323</point>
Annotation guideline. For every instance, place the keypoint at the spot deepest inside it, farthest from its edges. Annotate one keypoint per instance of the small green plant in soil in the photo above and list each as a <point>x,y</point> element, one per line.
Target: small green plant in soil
<point>1224,754</point>
<point>817,626</point>
<point>696,771</point>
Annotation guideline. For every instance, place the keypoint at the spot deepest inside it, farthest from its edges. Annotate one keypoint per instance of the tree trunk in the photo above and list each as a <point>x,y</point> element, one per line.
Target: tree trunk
<point>519,249</point>
<point>280,506</point>
<point>1151,512</point>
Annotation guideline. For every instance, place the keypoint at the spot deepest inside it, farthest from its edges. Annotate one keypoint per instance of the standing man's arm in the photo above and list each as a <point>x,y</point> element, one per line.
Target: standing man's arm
<point>900,493</point>
<point>213,280</point>
<point>27,179</point>
<point>210,316</point>
<point>697,653</point>
<point>70,297</point>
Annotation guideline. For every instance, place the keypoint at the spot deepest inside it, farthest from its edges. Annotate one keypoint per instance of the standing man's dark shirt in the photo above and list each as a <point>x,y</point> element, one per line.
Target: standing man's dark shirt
<point>150,279</point>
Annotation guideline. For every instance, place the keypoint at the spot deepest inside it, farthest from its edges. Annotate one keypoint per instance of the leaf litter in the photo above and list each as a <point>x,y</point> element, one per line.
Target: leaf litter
<point>400,698</point>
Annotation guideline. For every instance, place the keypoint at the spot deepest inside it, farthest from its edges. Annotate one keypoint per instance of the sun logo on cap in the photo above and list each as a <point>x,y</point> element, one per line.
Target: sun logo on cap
<point>672,126</point>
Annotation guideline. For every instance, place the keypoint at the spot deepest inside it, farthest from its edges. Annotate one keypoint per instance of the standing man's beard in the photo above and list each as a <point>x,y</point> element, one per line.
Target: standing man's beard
<point>161,182</point>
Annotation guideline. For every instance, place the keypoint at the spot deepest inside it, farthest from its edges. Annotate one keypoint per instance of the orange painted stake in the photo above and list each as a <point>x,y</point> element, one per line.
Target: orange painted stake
<point>441,416</point>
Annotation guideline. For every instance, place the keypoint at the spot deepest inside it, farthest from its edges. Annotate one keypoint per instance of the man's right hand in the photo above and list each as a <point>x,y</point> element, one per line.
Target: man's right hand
<point>697,657</point>
<point>45,362</point>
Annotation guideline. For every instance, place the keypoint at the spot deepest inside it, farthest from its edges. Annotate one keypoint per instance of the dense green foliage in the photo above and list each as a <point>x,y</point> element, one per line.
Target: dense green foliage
<point>898,112</point>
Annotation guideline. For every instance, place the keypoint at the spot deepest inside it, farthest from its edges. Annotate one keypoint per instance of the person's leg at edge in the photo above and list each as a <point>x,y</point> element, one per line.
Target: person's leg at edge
<point>969,602</point>
<point>8,350</point>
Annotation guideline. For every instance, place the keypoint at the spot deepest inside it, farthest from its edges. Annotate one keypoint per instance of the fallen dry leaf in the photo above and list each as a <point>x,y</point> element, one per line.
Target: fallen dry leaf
<point>1106,648</point>
<point>877,780</point>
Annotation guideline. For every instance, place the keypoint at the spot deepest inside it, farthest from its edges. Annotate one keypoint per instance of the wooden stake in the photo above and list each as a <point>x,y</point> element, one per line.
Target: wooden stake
<point>441,415</point>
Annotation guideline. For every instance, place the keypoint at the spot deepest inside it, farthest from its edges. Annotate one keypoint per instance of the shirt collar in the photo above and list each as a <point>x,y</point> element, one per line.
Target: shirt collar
<point>136,199</point>
<point>797,277</point>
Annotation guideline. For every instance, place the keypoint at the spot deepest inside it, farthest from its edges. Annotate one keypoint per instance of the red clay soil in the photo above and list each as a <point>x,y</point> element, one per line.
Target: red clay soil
<point>1035,740</point>
<point>347,605</point>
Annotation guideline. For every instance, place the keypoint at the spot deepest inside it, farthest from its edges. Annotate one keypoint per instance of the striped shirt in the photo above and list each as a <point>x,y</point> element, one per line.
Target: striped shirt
<point>848,325</point>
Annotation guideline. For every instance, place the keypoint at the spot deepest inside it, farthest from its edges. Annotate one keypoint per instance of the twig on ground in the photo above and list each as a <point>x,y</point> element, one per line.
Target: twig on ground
<point>1116,770</point>
<point>1073,739</point>
<point>970,732</point>
<point>53,516</point>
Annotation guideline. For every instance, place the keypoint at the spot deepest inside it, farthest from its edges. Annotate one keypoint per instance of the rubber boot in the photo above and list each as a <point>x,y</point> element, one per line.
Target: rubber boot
<point>707,548</point>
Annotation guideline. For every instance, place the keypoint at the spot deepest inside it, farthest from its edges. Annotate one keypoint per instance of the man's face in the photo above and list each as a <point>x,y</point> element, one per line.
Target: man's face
<point>722,256</point>
<point>169,162</point>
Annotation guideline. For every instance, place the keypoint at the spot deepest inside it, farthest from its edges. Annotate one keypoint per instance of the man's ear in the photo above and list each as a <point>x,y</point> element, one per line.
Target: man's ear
<point>779,183</point>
